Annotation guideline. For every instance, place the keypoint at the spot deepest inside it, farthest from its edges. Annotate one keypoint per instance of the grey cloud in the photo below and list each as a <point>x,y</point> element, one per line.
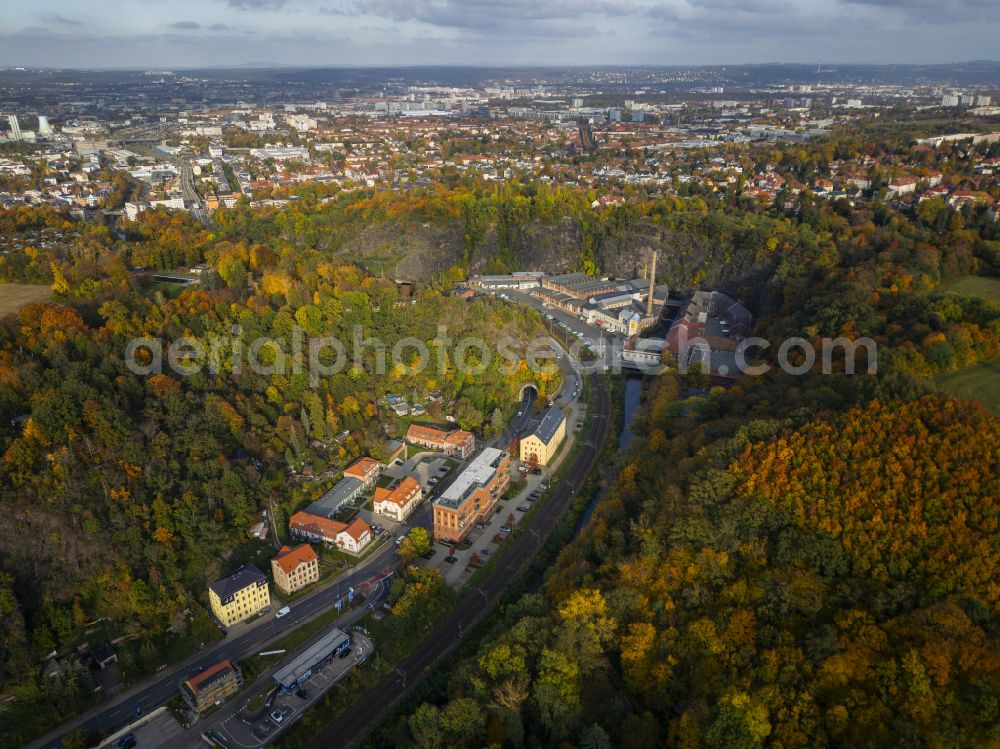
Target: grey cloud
<point>257,4</point>
<point>527,17</point>
<point>220,27</point>
<point>184,25</point>
<point>61,20</point>
<point>725,20</point>
<point>745,6</point>
<point>938,11</point>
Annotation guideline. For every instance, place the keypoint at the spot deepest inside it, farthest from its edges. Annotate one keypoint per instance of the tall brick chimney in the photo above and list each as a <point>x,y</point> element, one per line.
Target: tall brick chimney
<point>652,286</point>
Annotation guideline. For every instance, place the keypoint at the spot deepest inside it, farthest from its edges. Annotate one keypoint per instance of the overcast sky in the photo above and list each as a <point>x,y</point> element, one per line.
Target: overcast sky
<point>151,33</point>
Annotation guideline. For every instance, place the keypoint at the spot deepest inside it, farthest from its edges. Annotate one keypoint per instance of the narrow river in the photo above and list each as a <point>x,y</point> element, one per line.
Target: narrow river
<point>631,401</point>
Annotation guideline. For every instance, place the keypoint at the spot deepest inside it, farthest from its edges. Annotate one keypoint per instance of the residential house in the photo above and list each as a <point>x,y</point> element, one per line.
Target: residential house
<point>458,442</point>
<point>540,446</point>
<point>355,537</point>
<point>904,185</point>
<point>351,537</point>
<point>343,492</point>
<point>295,568</point>
<point>399,502</point>
<point>239,596</point>
<point>366,470</point>
<point>212,686</point>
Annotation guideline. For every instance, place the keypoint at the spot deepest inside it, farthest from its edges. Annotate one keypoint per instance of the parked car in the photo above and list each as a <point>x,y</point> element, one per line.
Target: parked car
<point>537,471</point>
<point>429,553</point>
<point>432,480</point>
<point>450,559</point>
<point>505,528</point>
<point>344,653</point>
<point>534,495</point>
<point>485,552</point>
<point>283,611</point>
<point>277,716</point>
<point>522,508</point>
<point>542,487</point>
<point>480,526</point>
<point>128,740</point>
<point>302,694</point>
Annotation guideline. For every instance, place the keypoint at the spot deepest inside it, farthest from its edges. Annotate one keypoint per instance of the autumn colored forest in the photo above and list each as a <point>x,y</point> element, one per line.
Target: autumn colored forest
<point>124,495</point>
<point>794,581</point>
<point>801,561</point>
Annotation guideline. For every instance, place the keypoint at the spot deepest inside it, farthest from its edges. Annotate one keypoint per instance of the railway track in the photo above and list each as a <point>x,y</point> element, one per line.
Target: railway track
<point>355,722</point>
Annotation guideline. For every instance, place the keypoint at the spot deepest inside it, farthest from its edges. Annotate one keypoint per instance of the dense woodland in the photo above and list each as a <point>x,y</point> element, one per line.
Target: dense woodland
<point>790,581</point>
<point>791,562</point>
<point>123,494</point>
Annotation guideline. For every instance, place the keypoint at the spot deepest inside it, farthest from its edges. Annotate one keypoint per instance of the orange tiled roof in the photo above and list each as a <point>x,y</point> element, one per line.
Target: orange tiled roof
<point>288,558</point>
<point>361,467</point>
<point>459,437</point>
<point>357,529</point>
<point>420,433</point>
<point>195,682</point>
<point>315,524</point>
<point>402,494</point>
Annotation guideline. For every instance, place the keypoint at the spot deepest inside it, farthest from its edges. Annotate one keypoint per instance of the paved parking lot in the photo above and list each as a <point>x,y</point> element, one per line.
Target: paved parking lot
<point>164,732</point>
<point>486,541</point>
<point>249,729</point>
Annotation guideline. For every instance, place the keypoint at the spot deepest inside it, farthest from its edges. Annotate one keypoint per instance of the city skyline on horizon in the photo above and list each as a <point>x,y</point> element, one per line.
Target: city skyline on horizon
<point>483,33</point>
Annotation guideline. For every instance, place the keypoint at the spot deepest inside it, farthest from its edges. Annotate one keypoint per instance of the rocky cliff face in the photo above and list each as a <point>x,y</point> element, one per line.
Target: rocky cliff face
<point>685,259</point>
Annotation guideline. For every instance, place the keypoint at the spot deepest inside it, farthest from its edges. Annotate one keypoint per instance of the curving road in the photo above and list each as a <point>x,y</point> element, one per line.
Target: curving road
<point>246,640</point>
<point>353,724</point>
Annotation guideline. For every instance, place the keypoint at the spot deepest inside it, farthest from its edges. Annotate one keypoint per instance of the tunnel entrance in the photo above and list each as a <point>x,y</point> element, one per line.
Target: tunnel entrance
<point>528,390</point>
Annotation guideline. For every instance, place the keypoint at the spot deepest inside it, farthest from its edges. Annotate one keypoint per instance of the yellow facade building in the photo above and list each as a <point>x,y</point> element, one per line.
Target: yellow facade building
<point>540,446</point>
<point>239,596</point>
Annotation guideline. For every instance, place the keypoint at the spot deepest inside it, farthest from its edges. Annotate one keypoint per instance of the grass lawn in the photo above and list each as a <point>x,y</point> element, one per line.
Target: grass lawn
<point>983,287</point>
<point>13,296</point>
<point>980,382</point>
<point>253,550</point>
<point>298,636</point>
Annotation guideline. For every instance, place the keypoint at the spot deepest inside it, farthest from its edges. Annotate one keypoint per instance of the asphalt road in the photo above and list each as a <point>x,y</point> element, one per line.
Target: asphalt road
<point>604,341</point>
<point>354,722</point>
<point>121,709</point>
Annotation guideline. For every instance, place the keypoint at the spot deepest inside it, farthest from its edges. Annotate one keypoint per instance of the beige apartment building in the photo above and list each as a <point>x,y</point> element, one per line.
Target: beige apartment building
<point>295,568</point>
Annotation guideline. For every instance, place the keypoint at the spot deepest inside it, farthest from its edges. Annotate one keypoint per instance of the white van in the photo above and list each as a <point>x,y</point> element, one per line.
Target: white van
<point>283,611</point>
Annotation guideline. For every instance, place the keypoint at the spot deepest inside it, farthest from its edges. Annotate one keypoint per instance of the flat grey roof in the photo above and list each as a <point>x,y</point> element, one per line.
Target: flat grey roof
<point>343,490</point>
<point>477,473</point>
<point>292,671</point>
